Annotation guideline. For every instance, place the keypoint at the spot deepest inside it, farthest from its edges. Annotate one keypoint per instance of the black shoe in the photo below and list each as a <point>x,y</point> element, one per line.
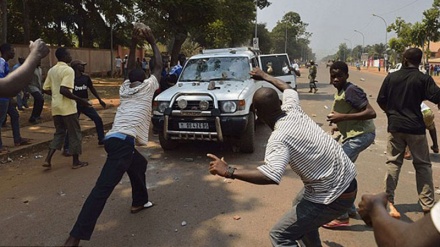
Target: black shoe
<point>101,142</point>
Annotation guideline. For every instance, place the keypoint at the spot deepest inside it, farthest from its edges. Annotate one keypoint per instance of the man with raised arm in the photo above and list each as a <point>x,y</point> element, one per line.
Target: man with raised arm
<point>131,124</point>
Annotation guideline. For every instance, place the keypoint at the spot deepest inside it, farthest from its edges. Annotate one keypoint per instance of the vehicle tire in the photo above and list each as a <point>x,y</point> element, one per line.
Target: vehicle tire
<point>247,139</point>
<point>167,144</point>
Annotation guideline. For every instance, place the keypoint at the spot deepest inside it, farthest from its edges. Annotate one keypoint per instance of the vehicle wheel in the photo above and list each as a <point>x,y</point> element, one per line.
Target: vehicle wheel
<point>248,137</point>
<point>167,144</point>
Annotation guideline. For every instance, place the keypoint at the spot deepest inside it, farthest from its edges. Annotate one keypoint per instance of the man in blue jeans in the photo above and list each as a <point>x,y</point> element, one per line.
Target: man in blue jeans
<point>6,106</point>
<point>131,123</point>
<point>83,82</point>
<point>353,116</point>
<point>326,171</point>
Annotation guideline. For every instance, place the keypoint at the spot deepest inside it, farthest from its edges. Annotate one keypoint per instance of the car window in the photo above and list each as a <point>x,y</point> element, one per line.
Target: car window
<point>275,65</point>
<point>226,68</point>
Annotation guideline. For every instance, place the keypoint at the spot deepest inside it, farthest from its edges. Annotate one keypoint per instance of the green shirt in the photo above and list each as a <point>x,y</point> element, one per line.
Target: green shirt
<point>352,99</point>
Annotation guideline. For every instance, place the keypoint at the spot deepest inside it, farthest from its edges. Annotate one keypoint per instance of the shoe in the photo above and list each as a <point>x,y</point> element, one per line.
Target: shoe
<point>23,141</point>
<point>80,164</point>
<point>310,91</point>
<point>434,149</point>
<point>337,223</point>
<point>101,142</point>
<point>135,210</point>
<point>316,90</point>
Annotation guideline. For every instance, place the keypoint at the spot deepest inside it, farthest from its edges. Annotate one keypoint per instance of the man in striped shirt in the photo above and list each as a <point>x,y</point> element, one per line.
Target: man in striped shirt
<point>131,124</point>
<point>327,173</point>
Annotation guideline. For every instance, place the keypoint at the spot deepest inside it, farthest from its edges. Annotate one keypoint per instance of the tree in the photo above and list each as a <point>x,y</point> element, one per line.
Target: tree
<point>264,39</point>
<point>287,32</point>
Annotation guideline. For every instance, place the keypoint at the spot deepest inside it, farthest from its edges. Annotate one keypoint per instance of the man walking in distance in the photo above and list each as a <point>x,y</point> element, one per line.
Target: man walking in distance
<point>83,83</point>
<point>36,92</point>
<point>312,77</point>
<point>131,123</point>
<point>353,116</point>
<point>400,97</point>
<point>327,173</point>
<point>59,84</point>
<point>118,67</point>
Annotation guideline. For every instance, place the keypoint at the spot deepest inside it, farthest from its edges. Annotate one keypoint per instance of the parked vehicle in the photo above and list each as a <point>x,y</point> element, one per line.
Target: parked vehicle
<point>398,66</point>
<point>212,99</point>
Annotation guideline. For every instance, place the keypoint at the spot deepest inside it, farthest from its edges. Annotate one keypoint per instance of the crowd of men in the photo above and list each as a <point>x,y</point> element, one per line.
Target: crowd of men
<point>326,167</point>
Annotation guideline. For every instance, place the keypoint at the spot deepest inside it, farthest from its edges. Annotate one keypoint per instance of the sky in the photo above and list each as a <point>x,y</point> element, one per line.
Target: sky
<point>332,22</point>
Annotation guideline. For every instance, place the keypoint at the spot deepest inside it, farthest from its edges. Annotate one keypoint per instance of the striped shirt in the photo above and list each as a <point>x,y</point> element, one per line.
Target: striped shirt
<point>319,161</point>
<point>134,112</point>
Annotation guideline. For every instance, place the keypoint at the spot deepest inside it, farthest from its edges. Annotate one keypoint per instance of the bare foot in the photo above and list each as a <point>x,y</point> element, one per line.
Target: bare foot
<point>71,241</point>
<point>393,211</point>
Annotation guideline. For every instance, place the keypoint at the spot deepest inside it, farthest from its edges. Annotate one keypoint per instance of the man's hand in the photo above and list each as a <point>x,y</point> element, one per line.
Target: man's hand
<point>39,47</point>
<point>257,73</point>
<point>333,130</point>
<point>102,103</point>
<point>144,31</point>
<point>217,166</point>
<point>335,117</point>
<point>84,102</point>
<point>369,203</point>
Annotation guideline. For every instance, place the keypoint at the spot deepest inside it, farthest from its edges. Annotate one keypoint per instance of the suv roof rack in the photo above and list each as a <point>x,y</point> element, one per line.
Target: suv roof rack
<point>231,50</point>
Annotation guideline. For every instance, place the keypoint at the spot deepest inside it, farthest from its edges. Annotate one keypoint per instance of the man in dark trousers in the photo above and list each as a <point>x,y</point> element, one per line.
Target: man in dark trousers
<point>400,97</point>
<point>83,83</point>
<point>131,124</point>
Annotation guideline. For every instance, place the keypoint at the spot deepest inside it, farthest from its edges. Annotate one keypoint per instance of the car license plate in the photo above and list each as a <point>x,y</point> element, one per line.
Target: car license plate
<point>185,125</point>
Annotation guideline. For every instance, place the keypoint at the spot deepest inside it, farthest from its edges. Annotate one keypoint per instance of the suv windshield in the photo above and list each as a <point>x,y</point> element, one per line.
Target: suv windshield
<point>218,68</point>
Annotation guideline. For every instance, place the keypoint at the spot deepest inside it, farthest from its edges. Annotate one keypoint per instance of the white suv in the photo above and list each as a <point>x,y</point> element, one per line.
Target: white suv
<point>212,99</point>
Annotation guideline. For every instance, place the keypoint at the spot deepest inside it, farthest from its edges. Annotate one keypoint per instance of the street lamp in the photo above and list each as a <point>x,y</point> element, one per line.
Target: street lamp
<point>386,38</point>
<point>363,40</point>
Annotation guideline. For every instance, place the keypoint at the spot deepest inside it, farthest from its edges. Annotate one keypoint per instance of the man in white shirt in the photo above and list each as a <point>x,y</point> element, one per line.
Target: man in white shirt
<point>297,141</point>
<point>131,124</point>
<point>118,67</point>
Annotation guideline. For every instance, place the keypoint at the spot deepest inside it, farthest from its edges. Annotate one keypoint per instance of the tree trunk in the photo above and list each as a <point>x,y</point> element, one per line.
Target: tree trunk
<point>4,18</point>
<point>26,25</point>
<point>177,46</point>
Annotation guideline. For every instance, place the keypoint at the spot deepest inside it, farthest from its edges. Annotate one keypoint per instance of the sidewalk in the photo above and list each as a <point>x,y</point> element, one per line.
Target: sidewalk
<point>42,134</point>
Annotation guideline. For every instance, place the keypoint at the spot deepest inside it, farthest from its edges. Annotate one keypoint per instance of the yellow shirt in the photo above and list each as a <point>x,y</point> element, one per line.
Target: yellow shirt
<point>60,75</point>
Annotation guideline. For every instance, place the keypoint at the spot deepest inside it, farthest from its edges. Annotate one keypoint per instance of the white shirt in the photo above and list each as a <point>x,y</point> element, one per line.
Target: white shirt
<point>133,116</point>
<point>296,68</point>
<point>314,155</point>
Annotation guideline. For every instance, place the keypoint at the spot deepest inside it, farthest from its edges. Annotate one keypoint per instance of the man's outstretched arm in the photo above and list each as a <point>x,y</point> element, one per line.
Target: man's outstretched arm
<point>392,232</point>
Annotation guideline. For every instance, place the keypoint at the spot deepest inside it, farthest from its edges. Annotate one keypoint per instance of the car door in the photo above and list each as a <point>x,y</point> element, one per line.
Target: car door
<point>277,65</point>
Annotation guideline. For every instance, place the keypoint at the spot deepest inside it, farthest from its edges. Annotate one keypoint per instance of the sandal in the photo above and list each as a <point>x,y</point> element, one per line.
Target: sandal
<point>135,210</point>
<point>337,223</point>
<point>80,164</point>
<point>4,150</point>
<point>23,141</point>
<point>434,149</point>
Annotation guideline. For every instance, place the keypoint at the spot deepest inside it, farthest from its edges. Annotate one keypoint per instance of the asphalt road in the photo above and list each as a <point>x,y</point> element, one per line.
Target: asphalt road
<point>192,207</point>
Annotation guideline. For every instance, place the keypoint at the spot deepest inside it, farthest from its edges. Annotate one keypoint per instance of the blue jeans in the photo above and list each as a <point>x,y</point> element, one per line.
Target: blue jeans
<point>94,116</point>
<point>122,157</point>
<point>354,146</point>
<point>7,108</point>
<point>304,219</point>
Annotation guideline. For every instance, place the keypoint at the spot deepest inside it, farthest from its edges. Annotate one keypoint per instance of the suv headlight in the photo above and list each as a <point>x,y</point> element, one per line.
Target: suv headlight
<point>160,106</point>
<point>232,106</point>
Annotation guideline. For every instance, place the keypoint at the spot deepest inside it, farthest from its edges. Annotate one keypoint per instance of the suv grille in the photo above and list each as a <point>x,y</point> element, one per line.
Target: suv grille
<point>193,105</point>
